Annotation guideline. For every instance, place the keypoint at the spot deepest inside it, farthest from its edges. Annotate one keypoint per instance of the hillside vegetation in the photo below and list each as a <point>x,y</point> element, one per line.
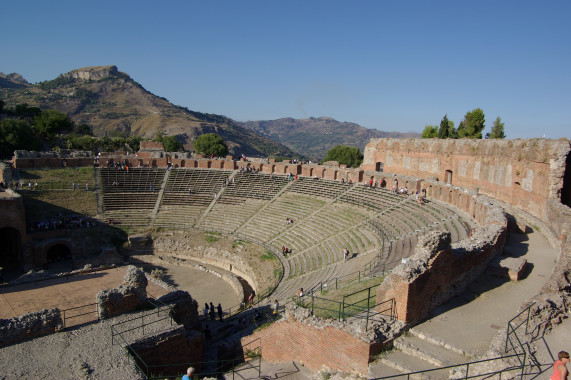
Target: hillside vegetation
<point>113,104</point>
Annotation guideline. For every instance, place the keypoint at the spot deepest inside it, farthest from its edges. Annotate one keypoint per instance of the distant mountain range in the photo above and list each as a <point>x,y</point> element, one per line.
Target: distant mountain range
<point>315,136</point>
<point>114,104</point>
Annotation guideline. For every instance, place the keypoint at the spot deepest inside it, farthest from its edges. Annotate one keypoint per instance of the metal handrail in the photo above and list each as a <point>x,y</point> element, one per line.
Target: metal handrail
<point>467,365</point>
<point>521,356</point>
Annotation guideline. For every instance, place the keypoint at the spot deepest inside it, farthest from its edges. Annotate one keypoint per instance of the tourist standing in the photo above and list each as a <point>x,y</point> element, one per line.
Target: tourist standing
<point>560,371</point>
<point>219,309</point>
<point>206,309</point>
<point>212,312</point>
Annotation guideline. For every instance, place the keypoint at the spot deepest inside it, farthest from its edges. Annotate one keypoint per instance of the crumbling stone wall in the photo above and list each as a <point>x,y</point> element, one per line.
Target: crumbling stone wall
<point>173,345</point>
<point>30,325</point>
<point>318,342</point>
<point>5,173</point>
<point>24,159</point>
<point>129,296</point>
<point>439,270</point>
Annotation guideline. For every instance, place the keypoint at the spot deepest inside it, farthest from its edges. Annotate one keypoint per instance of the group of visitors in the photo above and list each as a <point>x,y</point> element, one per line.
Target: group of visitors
<point>62,222</point>
<point>285,250</point>
<point>289,221</point>
<point>248,169</point>
<point>211,311</point>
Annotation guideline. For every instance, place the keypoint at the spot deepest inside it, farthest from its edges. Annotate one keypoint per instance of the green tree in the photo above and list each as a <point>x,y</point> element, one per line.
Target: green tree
<point>429,132</point>
<point>51,122</point>
<point>444,128</point>
<point>23,111</point>
<point>171,144</point>
<point>210,143</point>
<point>345,155</point>
<point>497,130</point>
<point>472,125</point>
<point>14,135</point>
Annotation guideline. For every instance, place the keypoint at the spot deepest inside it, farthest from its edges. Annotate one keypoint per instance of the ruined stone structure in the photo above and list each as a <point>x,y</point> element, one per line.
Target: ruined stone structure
<point>523,173</point>
<point>13,237</point>
<point>317,342</point>
<point>30,325</point>
<point>24,159</point>
<point>129,296</point>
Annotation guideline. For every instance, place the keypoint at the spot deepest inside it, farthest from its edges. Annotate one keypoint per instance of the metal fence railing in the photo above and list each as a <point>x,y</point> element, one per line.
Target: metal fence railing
<point>84,313</point>
<point>525,366</point>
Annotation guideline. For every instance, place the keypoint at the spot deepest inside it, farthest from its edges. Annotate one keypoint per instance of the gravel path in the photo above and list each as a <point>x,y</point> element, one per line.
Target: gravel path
<point>84,353</point>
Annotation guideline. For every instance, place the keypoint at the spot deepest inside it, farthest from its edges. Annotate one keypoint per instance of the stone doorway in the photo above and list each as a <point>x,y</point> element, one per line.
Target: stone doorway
<point>59,258</point>
<point>11,254</point>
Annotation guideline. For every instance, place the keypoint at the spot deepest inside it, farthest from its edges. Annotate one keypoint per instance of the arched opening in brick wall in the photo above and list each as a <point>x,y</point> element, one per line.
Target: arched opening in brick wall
<point>154,164</point>
<point>11,248</point>
<point>59,256</point>
<point>182,163</point>
<point>379,166</point>
<point>566,190</point>
<point>448,176</point>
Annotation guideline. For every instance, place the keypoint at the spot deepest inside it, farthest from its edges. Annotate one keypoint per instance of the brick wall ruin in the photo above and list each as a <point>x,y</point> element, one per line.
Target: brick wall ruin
<point>523,173</point>
<point>316,342</point>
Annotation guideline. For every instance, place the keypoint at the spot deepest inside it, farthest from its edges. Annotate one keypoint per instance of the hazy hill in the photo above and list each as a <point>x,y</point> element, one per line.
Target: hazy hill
<point>114,104</point>
<point>315,136</point>
<point>12,81</point>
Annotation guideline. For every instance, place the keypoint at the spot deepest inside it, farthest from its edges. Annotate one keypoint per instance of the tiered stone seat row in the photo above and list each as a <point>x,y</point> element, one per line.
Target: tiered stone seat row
<point>229,217</point>
<point>178,217</point>
<point>115,180</point>
<point>198,181</point>
<point>326,222</point>
<point>129,201</point>
<point>272,220</point>
<point>319,187</point>
<point>135,189</point>
<point>134,219</point>
<point>250,185</point>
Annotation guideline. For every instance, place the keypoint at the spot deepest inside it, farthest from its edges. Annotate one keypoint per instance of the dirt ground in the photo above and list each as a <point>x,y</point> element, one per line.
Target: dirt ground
<point>202,286</point>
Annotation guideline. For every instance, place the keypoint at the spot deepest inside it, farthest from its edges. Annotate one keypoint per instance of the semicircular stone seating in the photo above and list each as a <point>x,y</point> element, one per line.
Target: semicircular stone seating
<point>377,226</point>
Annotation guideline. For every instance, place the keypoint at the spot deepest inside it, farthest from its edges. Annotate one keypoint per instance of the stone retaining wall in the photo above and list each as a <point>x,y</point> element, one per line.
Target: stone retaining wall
<point>30,325</point>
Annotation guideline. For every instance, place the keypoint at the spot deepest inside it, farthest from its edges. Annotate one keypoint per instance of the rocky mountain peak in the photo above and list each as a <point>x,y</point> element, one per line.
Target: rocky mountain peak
<point>93,73</point>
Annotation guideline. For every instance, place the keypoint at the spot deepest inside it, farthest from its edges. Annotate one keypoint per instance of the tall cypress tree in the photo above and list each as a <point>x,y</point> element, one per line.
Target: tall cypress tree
<point>443,130</point>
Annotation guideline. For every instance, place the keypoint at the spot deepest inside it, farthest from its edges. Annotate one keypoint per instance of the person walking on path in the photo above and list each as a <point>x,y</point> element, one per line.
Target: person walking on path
<point>219,309</point>
<point>251,298</point>
<point>560,371</point>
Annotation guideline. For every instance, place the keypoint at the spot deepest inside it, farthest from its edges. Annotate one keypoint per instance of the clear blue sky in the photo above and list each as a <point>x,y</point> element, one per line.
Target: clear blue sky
<point>391,65</point>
